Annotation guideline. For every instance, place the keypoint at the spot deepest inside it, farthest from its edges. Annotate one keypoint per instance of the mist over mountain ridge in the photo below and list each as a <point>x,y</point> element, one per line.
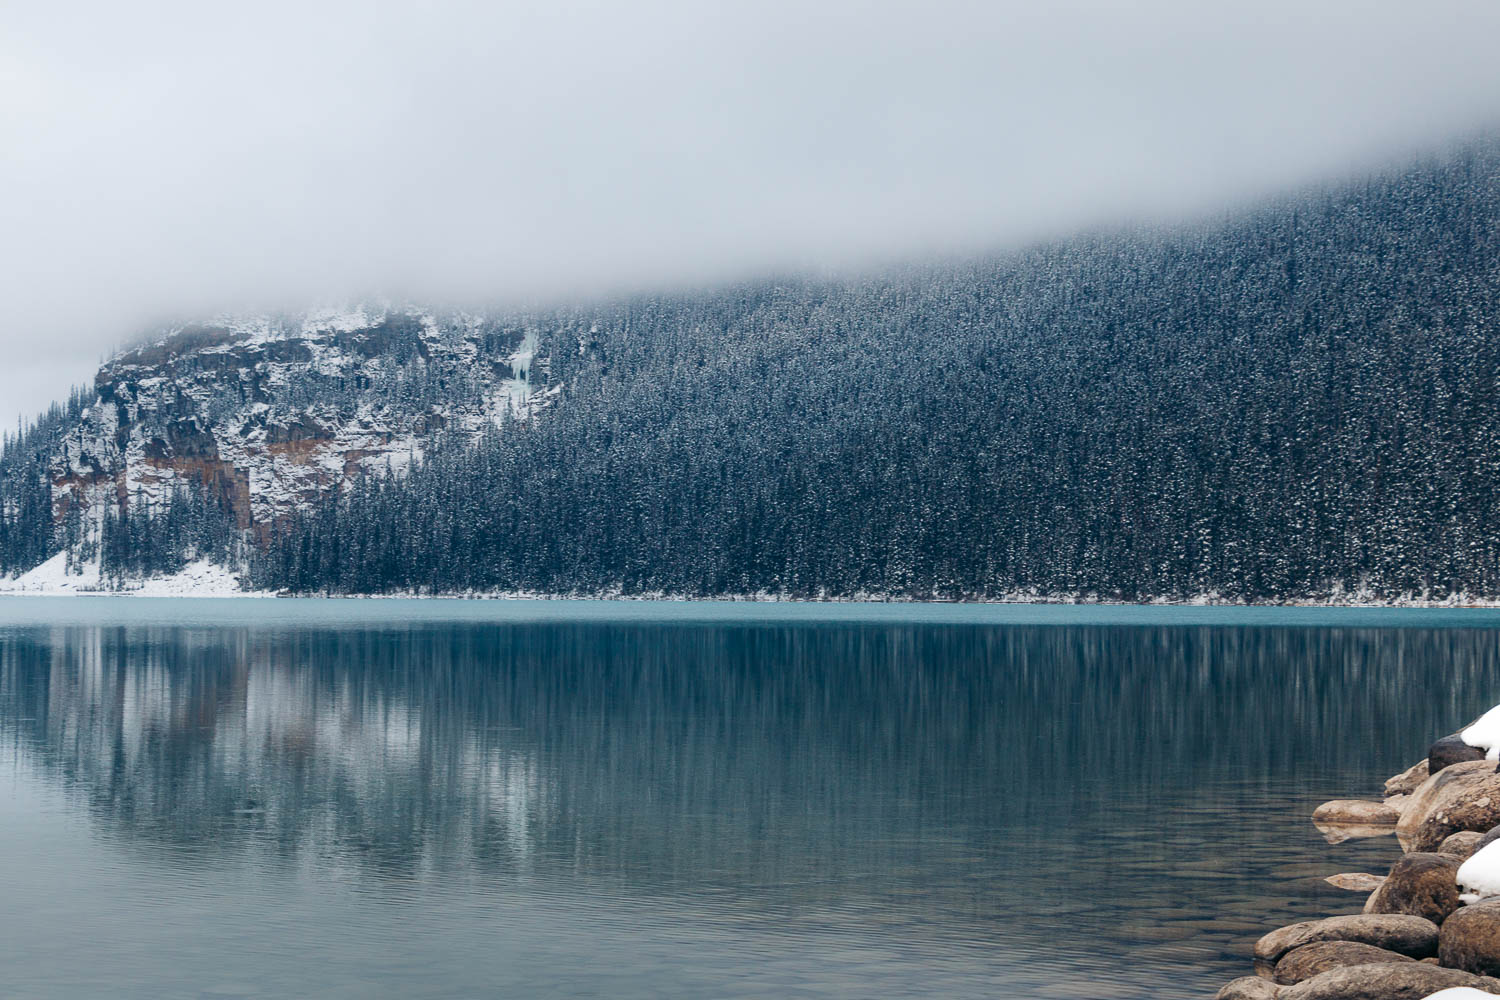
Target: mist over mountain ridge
<point>1293,402</point>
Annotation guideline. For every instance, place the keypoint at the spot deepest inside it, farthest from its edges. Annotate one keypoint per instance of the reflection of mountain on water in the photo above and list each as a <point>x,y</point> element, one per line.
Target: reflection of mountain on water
<point>737,755</point>
<point>930,766</point>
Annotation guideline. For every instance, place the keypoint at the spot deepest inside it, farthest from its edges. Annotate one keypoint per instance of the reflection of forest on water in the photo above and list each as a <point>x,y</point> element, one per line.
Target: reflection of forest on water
<point>931,766</point>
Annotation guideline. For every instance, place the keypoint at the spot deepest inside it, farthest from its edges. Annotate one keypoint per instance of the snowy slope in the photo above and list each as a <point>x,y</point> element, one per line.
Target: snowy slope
<point>277,414</point>
<point>52,577</point>
<point>198,579</point>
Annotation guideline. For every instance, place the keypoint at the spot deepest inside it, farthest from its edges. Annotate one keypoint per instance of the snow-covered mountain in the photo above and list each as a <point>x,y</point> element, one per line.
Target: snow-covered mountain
<point>278,413</point>
<point>1297,403</point>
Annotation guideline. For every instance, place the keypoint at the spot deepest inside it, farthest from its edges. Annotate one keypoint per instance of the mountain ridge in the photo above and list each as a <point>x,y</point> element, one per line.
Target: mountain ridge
<point>1293,404</point>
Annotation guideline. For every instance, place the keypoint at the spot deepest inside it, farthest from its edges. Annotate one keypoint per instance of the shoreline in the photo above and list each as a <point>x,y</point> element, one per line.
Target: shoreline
<point>145,589</point>
<point>54,577</point>
<point>1429,929</point>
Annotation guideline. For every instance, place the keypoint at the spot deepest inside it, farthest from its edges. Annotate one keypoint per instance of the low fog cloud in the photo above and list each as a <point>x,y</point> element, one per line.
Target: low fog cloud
<point>168,158</point>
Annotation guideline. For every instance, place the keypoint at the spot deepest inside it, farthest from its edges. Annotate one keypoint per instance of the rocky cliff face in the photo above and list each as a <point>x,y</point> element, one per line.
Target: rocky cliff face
<point>277,413</point>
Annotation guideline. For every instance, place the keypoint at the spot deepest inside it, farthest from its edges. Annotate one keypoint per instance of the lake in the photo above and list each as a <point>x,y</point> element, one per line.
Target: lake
<point>534,799</point>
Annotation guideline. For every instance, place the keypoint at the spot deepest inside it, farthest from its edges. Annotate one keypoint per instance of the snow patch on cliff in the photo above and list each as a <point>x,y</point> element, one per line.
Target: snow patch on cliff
<point>343,320</point>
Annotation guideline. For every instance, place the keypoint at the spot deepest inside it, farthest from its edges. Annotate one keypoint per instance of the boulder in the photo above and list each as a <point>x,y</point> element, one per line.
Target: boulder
<point>1386,981</point>
<point>1448,751</point>
<point>1461,993</point>
<point>1464,796</point>
<point>1463,843</point>
<point>1398,932</point>
<point>1249,988</point>
<point>1424,885</point>
<point>1355,812</point>
<point>1356,881</point>
<point>1314,959</point>
<point>1472,943</point>
<point>1407,781</point>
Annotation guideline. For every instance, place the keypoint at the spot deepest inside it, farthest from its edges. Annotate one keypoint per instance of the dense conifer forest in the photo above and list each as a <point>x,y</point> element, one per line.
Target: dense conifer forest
<point>28,532</point>
<point>1292,401</point>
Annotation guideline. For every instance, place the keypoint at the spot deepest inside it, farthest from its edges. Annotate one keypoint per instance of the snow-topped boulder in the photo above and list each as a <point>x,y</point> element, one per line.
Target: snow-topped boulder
<point>1484,734</point>
<point>1479,876</point>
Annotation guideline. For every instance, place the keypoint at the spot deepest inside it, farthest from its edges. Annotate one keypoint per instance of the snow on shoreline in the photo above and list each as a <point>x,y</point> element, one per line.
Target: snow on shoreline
<point>52,579</point>
<point>205,579</point>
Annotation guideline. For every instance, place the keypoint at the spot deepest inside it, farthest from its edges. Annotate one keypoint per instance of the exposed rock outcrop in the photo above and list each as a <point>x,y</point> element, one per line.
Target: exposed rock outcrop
<point>276,413</point>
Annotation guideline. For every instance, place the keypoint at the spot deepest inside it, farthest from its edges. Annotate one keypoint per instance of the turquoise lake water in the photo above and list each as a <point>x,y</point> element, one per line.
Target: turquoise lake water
<point>269,798</point>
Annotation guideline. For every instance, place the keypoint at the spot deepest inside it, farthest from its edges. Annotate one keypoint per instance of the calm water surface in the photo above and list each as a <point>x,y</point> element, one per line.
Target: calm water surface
<point>453,799</point>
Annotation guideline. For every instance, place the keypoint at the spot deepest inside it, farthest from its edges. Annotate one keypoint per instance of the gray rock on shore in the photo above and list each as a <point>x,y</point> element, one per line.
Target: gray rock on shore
<point>1416,937</point>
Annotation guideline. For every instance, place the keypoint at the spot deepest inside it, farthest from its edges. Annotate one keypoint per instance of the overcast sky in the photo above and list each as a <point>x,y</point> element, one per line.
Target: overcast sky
<point>161,158</point>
